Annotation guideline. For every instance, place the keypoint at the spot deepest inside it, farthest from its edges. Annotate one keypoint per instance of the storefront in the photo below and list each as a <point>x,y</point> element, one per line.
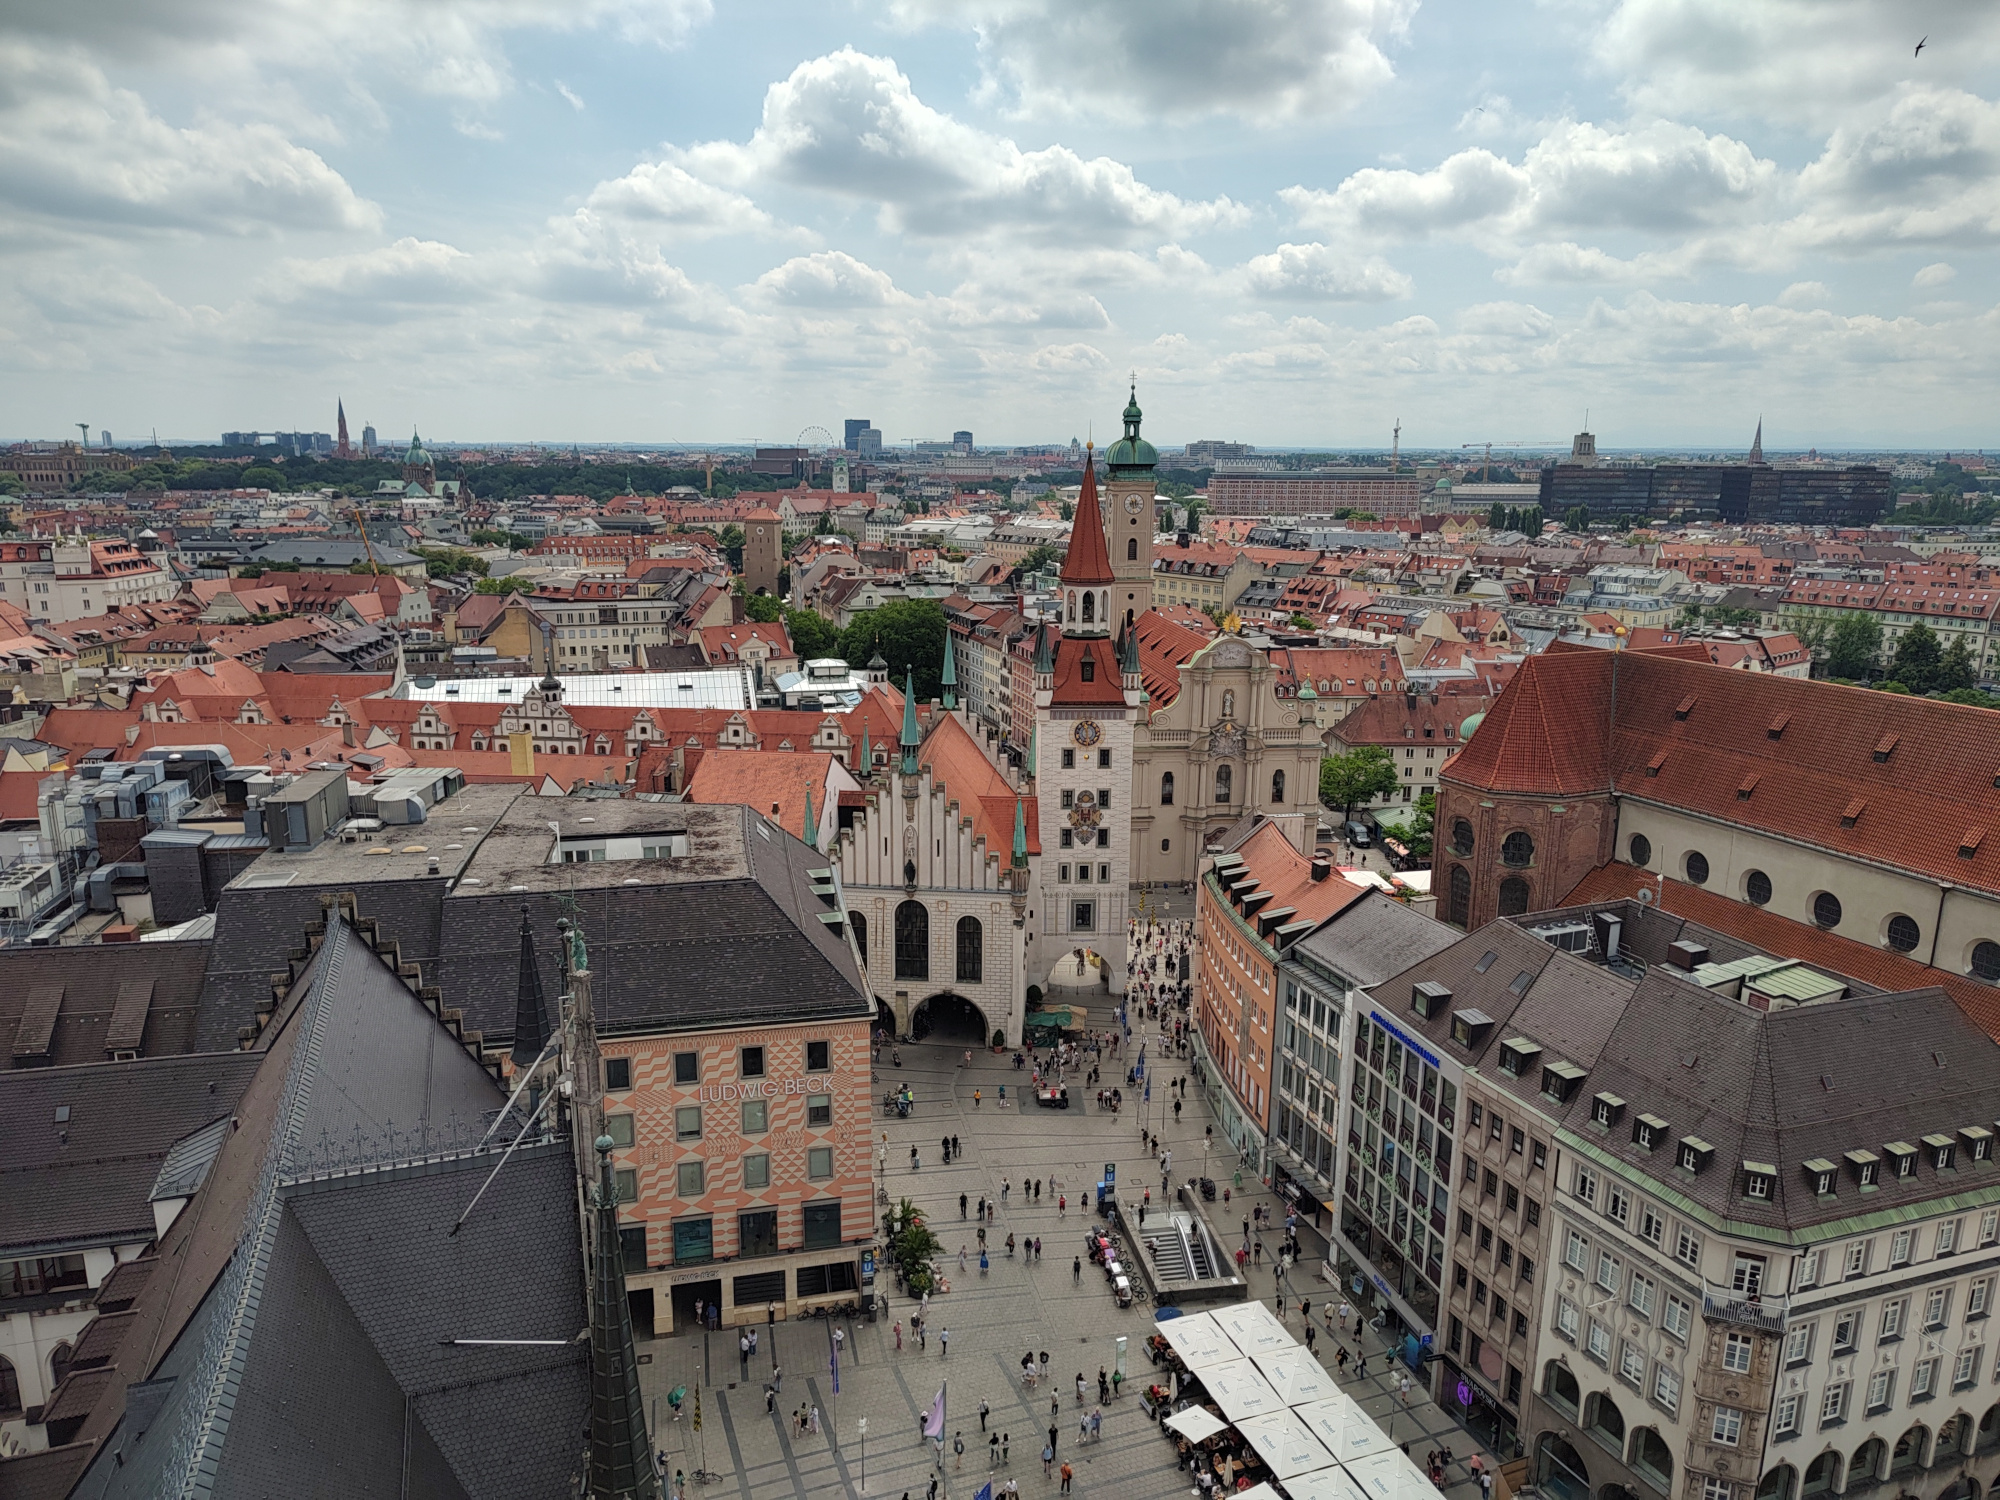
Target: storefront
<point>1472,1401</point>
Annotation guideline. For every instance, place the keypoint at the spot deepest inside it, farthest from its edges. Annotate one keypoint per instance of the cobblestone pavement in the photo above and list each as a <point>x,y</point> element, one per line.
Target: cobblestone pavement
<point>993,1319</point>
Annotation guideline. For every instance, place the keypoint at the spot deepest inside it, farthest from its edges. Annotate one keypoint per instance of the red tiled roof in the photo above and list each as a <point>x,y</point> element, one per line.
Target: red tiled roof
<point>771,782</point>
<point>1089,561</point>
<point>1279,868</point>
<point>1105,688</point>
<point>1548,732</point>
<point>1165,646</point>
<point>1789,939</point>
<point>977,786</point>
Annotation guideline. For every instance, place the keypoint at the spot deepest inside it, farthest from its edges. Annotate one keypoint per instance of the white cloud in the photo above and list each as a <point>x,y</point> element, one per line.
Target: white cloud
<point>76,151</point>
<point>409,274</point>
<point>850,124</point>
<point>1264,60</point>
<point>665,199</point>
<point>1926,172</point>
<point>829,278</point>
<point>1938,273</point>
<point>570,94</point>
<point>1320,273</point>
<point>1806,294</point>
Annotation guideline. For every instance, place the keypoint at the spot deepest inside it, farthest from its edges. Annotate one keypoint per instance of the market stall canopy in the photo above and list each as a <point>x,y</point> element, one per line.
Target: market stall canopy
<point>1198,1341</point>
<point>1258,1492</point>
<point>1324,1484</point>
<point>1296,1376</point>
<point>1348,1432</point>
<point>1240,1391</point>
<point>1390,1476</point>
<point>1254,1328</point>
<point>1284,1444</point>
<point>1196,1424</point>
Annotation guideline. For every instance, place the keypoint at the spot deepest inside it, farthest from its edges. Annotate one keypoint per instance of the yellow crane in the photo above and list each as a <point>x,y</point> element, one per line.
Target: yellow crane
<point>361,525</point>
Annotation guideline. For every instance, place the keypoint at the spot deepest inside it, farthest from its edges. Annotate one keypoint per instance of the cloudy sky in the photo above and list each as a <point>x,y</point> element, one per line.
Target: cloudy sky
<point>1296,220</point>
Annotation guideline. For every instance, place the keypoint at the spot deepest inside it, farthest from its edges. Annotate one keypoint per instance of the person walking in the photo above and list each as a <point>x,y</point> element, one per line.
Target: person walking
<point>961,1205</point>
<point>899,1335</point>
<point>983,1409</point>
<point>1403,1387</point>
<point>1067,1475</point>
<point>1005,1457</point>
<point>770,1402</point>
<point>944,1342</point>
<point>743,1355</point>
<point>1345,1313</point>
<point>1048,1462</point>
<point>958,1449</point>
<point>1079,1387</point>
<point>993,1453</point>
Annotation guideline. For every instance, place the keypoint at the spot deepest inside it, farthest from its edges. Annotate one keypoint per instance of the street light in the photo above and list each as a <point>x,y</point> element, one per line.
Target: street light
<point>864,1455</point>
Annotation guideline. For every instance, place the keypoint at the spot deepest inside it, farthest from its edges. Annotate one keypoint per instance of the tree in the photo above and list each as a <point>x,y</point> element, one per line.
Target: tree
<point>1577,519</point>
<point>1916,659</point>
<point>812,636</point>
<point>909,633</point>
<point>1361,775</point>
<point>1957,672</point>
<point>513,583</point>
<point>1038,558</point>
<point>260,477</point>
<point>762,608</point>
<point>1303,622</point>
<point>1423,826</point>
<point>1067,509</point>
<point>1496,518</point>
<point>1854,646</point>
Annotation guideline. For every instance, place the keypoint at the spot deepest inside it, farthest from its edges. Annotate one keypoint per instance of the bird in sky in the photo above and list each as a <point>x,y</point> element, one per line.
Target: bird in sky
<point>1920,47</point>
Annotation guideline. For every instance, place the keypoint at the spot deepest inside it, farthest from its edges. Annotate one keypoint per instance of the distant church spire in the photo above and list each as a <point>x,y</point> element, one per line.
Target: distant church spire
<point>949,677</point>
<point>531,1013</point>
<point>1020,834</point>
<point>1757,443</point>
<point>341,448</point>
<point>811,829</point>
<point>621,1456</point>
<point>910,739</point>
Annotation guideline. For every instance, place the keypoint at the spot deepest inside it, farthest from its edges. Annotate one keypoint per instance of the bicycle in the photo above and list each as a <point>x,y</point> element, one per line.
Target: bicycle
<point>706,1476</point>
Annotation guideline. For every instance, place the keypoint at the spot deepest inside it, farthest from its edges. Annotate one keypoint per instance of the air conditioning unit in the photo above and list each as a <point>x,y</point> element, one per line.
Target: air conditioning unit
<point>1571,937</point>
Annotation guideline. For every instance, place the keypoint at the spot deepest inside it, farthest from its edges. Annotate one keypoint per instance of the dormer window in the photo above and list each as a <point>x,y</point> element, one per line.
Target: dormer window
<point>1469,1028</point>
<point>1943,1151</point>
<point>1648,1131</point>
<point>1902,1159</point>
<point>1822,1176</point>
<point>1606,1110</point>
<point>1694,1153</point>
<point>1560,1080</point>
<point>1866,1166</point>
<point>1978,1143</point>
<point>1760,1181</point>
<point>1429,998</point>
<point>1517,1055</point>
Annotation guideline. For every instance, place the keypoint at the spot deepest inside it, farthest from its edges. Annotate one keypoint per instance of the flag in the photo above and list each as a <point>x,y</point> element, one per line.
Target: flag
<point>934,1419</point>
<point>834,1360</point>
<point>984,1492</point>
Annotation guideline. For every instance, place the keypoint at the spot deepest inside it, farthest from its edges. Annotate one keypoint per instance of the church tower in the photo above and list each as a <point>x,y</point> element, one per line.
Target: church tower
<point>1086,716</point>
<point>1130,518</point>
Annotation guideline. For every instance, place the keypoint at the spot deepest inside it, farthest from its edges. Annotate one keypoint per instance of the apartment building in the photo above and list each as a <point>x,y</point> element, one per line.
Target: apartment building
<point>54,579</point>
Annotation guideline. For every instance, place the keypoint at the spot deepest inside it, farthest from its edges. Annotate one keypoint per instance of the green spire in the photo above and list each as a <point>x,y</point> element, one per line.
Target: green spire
<point>812,828</point>
<point>1044,658</point>
<point>1020,834</point>
<point>950,674</point>
<point>867,755</point>
<point>1034,740</point>
<point>1131,661</point>
<point>910,739</point>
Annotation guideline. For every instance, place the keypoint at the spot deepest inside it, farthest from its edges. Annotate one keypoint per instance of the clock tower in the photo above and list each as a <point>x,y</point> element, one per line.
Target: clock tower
<point>1088,701</point>
<point>1130,518</point>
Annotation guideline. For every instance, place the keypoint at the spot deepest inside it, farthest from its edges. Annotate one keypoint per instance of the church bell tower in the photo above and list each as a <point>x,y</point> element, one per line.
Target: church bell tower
<point>1130,519</point>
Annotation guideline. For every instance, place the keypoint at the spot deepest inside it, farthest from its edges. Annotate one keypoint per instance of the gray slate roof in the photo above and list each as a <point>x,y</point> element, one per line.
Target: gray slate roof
<point>91,977</point>
<point>1374,938</point>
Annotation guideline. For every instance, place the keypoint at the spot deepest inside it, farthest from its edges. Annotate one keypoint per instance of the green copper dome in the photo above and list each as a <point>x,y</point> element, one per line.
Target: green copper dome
<point>416,455</point>
<point>1466,729</point>
<point>1132,453</point>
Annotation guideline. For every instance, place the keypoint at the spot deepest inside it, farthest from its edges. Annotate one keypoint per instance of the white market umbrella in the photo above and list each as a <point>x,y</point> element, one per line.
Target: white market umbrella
<point>1390,1476</point>
<point>1257,1492</point>
<point>1348,1432</point>
<point>1198,1341</point>
<point>1196,1424</point>
<point>1254,1328</point>
<point>1325,1484</point>
<point>1284,1444</point>
<point>1240,1391</point>
<point>1296,1376</point>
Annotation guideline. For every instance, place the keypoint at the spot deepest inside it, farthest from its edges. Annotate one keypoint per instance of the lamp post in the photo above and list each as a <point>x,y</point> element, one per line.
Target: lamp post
<point>864,1455</point>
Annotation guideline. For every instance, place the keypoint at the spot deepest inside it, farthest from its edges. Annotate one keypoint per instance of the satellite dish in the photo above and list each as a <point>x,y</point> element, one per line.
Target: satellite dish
<point>1645,896</point>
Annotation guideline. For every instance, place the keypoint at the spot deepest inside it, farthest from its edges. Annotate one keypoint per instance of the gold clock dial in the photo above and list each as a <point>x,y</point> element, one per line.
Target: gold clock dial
<point>1086,733</point>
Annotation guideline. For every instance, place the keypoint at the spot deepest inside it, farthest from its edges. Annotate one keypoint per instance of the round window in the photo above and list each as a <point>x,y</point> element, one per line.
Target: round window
<point>1757,886</point>
<point>1986,961</point>
<point>1826,909</point>
<point>1697,868</point>
<point>1642,850</point>
<point>1903,933</point>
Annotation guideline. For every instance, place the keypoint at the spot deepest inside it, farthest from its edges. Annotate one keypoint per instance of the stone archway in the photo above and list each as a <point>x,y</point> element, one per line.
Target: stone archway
<point>1559,1468</point>
<point>1078,973</point>
<point>949,1018</point>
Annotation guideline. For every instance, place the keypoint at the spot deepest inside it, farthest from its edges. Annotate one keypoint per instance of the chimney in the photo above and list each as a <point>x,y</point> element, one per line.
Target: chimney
<point>1322,867</point>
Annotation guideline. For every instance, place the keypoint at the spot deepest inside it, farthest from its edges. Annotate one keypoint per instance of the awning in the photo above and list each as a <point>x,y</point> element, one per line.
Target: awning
<point>1348,1432</point>
<point>1198,1341</point>
<point>1390,1476</point>
<point>1258,1492</point>
<point>1240,1391</point>
<point>1323,1484</point>
<point>1254,1329</point>
<point>1283,1442</point>
<point>1296,1376</point>
<point>1196,1424</point>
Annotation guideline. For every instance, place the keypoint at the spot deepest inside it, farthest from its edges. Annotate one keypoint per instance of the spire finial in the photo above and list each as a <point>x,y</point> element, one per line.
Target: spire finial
<point>621,1456</point>
<point>531,1014</point>
<point>949,677</point>
<point>910,738</point>
<point>1020,834</point>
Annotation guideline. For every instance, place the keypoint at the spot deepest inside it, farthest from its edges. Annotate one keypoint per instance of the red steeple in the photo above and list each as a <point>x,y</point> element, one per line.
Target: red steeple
<point>1089,561</point>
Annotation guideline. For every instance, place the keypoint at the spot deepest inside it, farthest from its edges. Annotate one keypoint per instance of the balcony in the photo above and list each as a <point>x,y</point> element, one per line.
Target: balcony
<point>1747,1309</point>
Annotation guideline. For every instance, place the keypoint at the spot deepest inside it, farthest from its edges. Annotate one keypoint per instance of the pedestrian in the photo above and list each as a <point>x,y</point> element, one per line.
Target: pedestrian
<point>923,1335</point>
<point>1052,1429</point>
<point>958,1448</point>
<point>1097,1425</point>
<point>1005,1459</point>
<point>1038,1247</point>
<point>1361,1365</point>
<point>1306,1308</point>
<point>961,1205</point>
<point>1485,1484</point>
<point>1257,1251</point>
<point>743,1355</point>
<point>771,1321</point>
<point>1066,1476</point>
<point>1311,1334</point>
<point>899,1335</point>
<point>770,1401</point>
<point>1103,1385</point>
<point>993,1453</point>
<point>812,1423</point>
<point>913,1158</point>
<point>1079,1387</point>
<point>1062,1207</point>
<point>777,1378</point>
<point>1004,1189</point>
<point>1345,1312</point>
<point>954,1148</point>
<point>1117,1380</point>
<point>944,1147</point>
<point>944,1342</point>
<point>983,1409</point>
<point>1403,1386</point>
<point>1048,1462</point>
<point>961,1258</point>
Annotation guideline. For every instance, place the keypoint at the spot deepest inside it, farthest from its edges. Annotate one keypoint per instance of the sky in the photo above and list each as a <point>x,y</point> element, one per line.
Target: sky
<point>1293,222</point>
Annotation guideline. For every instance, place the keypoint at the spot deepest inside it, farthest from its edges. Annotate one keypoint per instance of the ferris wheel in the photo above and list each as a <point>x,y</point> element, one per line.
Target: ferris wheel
<point>816,439</point>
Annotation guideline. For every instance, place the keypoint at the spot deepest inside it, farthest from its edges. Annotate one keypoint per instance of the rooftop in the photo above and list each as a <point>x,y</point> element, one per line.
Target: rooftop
<point>718,687</point>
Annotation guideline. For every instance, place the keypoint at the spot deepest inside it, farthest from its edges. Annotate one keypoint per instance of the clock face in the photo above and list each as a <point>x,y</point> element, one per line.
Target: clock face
<point>1133,504</point>
<point>1086,733</point>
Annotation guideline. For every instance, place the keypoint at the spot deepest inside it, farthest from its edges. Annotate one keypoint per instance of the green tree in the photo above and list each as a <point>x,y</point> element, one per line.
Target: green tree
<point>513,583</point>
<point>1854,646</point>
<point>259,477</point>
<point>1361,775</point>
<point>1577,519</point>
<point>1916,659</point>
<point>1067,509</point>
<point>912,1245</point>
<point>1957,672</point>
<point>1496,518</point>
<point>763,609</point>
<point>1423,827</point>
<point>812,635</point>
<point>1303,622</point>
<point>910,635</point>
<point>1038,558</point>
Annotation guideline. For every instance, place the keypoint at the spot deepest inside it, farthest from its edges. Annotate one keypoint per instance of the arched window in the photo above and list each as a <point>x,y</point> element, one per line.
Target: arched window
<point>1865,1467</point>
<point>1277,786</point>
<point>1089,607</point>
<point>1820,1474</point>
<point>1131,549</point>
<point>1228,704</point>
<point>1757,887</point>
<point>59,1362</point>
<point>913,941</point>
<point>1461,837</point>
<point>1517,850</point>
<point>1607,1422</point>
<point>1562,1390</point>
<point>1459,905</point>
<point>1986,961</point>
<point>1513,896</point>
<point>1988,1435</point>
<point>1225,779</point>
<point>1782,1483</point>
<point>1166,789</point>
<point>1652,1458</point>
<point>971,951</point>
<point>1903,933</point>
<point>10,1389</point>
<point>1697,867</point>
<point>1642,850</point>
<point>860,933</point>
<point>1910,1452</point>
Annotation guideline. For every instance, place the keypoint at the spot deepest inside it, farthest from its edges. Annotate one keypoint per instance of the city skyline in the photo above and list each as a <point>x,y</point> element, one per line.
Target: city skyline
<point>1296,221</point>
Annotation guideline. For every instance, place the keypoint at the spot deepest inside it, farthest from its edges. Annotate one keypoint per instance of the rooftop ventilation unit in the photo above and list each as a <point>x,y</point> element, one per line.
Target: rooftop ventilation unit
<point>1571,937</point>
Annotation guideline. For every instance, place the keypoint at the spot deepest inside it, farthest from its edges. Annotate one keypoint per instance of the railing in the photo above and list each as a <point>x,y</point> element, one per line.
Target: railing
<point>1756,1310</point>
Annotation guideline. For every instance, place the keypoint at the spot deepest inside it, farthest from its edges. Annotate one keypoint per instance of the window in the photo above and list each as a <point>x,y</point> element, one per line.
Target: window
<point>1899,1248</point>
<point>1965,1370</point>
<point>1923,1379</point>
<point>1568,1320</point>
<point>691,1178</point>
<point>619,1128</point>
<point>1539,1156</point>
<point>1598,1344</point>
<point>1903,933</point>
<point>1510,1198</point>
<point>819,1163</point>
<point>1717,1489</point>
<point>1608,1271</point>
<point>913,940</point>
<point>1979,1297</point>
<point>1576,1252</point>
<point>1687,1246</point>
<point>1937,1307</point>
<point>1757,886</point>
<point>1532,1215</point>
<point>1809,1265</point>
<point>1069,755</point>
<point>1513,896</point>
<point>1785,1417</point>
<point>1746,1274</point>
<point>1666,1388</point>
<point>1167,789</point>
<point>1736,1351</point>
<point>1947,1237</point>
<point>1727,1428</point>
<point>687,1122</point>
<point>1844,1328</point>
<point>1104,763</point>
<point>1892,1320</point>
<point>1617,1204</point>
<point>1461,837</point>
<point>1652,1227</point>
<point>757,1170</point>
<point>1459,900</point>
<point>1833,1405</point>
<point>822,1225</point>
<point>757,1233</point>
<point>1697,868</point>
<point>971,950</point>
<point>1639,1292</point>
<point>1642,850</point>
<point>819,1111</point>
<point>1632,1363</point>
<point>1986,962</point>
<point>1826,910</point>
<point>687,1067</point>
<point>860,925</point>
<point>1517,850</point>
<point>1527,1269</point>
<point>1517,1141</point>
<point>1798,1344</point>
<point>1881,1388</point>
<point>1083,916</point>
<point>1131,549</point>
<point>617,1073</point>
<point>1224,777</point>
<point>1586,1184</point>
<point>818,1056</point>
<point>1679,1317</point>
<point>1855,1262</point>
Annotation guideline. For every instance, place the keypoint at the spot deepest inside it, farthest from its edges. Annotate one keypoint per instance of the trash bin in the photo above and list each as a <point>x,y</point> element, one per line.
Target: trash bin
<point>868,1308</point>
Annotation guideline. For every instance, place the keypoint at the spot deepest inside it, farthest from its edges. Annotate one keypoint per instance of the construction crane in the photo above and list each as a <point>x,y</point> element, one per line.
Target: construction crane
<point>361,525</point>
<point>1486,468</point>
